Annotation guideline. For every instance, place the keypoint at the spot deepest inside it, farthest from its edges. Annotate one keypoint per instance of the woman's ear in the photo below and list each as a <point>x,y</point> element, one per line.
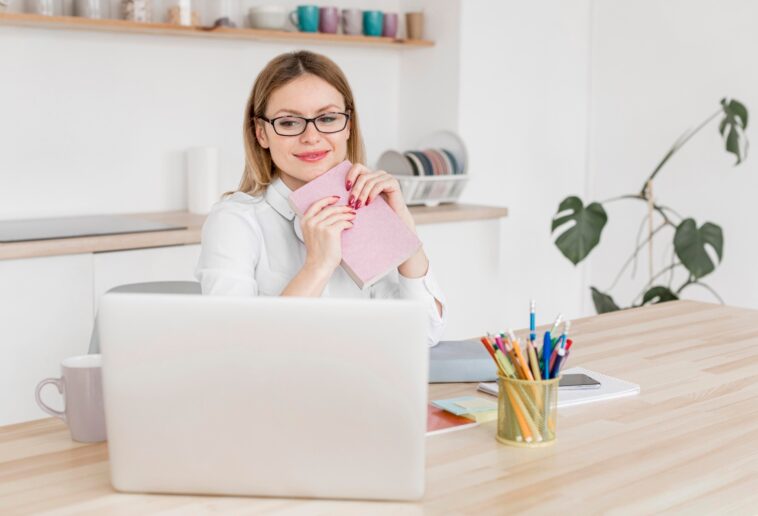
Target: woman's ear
<point>260,134</point>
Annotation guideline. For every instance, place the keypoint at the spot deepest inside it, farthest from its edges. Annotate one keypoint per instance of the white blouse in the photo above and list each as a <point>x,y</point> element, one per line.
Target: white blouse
<point>253,245</point>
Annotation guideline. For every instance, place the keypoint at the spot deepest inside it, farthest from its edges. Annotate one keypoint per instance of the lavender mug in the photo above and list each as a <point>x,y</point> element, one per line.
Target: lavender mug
<point>328,20</point>
<point>389,27</point>
<point>82,388</point>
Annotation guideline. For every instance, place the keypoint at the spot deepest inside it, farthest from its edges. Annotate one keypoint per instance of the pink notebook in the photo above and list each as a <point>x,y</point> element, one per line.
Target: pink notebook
<point>379,240</point>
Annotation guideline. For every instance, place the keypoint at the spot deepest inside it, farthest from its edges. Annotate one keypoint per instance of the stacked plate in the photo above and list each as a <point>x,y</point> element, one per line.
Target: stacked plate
<point>434,174</point>
<point>427,162</point>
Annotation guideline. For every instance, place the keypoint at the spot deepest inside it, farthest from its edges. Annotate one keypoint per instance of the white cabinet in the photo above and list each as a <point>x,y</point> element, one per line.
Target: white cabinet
<point>45,316</point>
<point>465,258</point>
<point>174,263</point>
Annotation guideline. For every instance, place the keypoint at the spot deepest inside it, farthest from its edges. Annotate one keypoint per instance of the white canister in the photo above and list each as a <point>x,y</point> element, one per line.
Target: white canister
<point>202,179</point>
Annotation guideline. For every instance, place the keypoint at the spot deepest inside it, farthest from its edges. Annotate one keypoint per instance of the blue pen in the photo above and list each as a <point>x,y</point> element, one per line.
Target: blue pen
<point>557,364</point>
<point>547,350</point>
<point>532,323</point>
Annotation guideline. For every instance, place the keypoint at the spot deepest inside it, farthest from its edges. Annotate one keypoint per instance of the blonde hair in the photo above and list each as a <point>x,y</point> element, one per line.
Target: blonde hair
<point>259,167</point>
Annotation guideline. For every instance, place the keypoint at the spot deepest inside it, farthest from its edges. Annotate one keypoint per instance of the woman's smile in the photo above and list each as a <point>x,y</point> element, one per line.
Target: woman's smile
<point>312,156</point>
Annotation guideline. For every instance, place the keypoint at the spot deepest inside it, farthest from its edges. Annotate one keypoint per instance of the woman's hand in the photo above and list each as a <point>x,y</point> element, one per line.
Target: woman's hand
<point>322,226</point>
<point>364,186</point>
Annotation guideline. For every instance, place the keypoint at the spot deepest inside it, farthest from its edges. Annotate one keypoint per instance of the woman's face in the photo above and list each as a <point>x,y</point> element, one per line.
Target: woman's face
<point>302,158</point>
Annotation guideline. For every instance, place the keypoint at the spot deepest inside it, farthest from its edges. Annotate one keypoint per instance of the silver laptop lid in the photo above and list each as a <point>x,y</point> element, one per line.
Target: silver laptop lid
<point>265,396</point>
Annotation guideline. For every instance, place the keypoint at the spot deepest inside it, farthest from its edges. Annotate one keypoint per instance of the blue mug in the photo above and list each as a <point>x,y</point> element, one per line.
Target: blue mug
<point>372,23</point>
<point>305,18</point>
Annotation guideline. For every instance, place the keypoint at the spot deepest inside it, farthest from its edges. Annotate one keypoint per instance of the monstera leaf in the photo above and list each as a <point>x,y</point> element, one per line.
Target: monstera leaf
<point>603,302</point>
<point>658,294</point>
<point>690,242</point>
<point>578,240</point>
<point>732,128</point>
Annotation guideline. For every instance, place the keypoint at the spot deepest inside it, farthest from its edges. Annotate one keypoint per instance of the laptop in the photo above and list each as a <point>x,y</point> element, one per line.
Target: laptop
<point>266,396</point>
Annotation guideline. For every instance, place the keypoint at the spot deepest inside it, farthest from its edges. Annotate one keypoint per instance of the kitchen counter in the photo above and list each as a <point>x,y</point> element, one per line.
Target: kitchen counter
<point>443,213</point>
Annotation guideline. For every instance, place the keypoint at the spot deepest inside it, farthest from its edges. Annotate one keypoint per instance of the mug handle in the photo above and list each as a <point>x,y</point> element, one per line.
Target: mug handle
<point>58,382</point>
<point>293,19</point>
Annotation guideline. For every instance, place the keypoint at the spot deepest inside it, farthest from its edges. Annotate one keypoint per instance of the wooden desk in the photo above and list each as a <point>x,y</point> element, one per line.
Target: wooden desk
<point>688,443</point>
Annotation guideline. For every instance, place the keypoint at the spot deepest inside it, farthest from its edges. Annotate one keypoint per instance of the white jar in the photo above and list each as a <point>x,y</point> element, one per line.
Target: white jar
<point>182,12</point>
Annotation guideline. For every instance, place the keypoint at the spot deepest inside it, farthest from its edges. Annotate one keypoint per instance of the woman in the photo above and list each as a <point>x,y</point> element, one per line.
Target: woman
<point>300,121</point>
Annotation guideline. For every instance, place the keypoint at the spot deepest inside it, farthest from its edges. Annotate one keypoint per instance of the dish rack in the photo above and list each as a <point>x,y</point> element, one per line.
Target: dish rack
<point>433,174</point>
<point>431,190</point>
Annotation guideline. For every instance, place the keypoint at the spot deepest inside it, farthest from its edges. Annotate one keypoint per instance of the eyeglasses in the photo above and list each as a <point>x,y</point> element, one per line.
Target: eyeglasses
<point>296,125</point>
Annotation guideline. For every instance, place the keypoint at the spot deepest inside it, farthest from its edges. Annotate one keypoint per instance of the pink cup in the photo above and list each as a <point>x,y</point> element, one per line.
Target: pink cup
<point>82,388</point>
<point>389,27</point>
<point>328,20</point>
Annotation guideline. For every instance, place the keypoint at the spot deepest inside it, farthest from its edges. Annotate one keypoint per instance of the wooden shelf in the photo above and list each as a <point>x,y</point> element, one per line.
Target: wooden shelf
<point>167,29</point>
<point>443,213</point>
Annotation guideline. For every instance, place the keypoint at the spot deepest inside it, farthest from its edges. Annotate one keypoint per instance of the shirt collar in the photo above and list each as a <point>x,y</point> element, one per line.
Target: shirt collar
<point>276,195</point>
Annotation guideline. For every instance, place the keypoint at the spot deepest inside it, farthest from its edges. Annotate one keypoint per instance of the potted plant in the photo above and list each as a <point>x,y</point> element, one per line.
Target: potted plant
<point>579,227</point>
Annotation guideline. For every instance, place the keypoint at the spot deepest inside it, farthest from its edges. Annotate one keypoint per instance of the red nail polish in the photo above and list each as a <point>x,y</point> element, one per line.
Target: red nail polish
<point>351,200</point>
<point>368,201</point>
<point>358,204</point>
<point>348,185</point>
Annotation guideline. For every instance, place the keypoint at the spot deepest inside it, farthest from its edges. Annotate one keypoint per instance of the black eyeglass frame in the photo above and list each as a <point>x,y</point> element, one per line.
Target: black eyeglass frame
<point>307,120</point>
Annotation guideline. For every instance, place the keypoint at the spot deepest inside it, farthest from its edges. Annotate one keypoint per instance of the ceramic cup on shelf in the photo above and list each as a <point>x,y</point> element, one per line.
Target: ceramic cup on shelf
<point>389,25</point>
<point>81,385</point>
<point>47,7</point>
<point>305,18</point>
<point>414,25</point>
<point>95,9</point>
<point>270,17</point>
<point>352,22</point>
<point>328,20</point>
<point>372,23</point>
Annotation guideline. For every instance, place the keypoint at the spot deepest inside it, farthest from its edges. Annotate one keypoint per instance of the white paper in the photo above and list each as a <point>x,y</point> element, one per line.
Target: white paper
<point>610,388</point>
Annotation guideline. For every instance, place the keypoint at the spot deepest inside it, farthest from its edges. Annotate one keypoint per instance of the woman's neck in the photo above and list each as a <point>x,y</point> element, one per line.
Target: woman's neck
<point>292,182</point>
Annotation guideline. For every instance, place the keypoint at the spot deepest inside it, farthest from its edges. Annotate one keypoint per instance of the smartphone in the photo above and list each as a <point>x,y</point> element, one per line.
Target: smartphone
<point>577,381</point>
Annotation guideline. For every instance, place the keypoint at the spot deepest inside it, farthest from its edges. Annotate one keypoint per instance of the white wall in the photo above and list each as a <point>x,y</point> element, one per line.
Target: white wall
<point>523,110</point>
<point>98,122</point>
<point>660,68</point>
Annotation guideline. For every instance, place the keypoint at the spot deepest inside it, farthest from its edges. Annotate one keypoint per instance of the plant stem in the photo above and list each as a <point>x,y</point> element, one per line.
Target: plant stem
<point>656,207</point>
<point>678,145</point>
<point>634,254</point>
<point>688,282</point>
<point>650,283</point>
<point>637,243</point>
<point>707,287</point>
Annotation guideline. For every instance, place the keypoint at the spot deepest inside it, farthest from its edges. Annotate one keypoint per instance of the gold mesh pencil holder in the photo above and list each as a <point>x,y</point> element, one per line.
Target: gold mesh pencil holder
<point>527,411</point>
